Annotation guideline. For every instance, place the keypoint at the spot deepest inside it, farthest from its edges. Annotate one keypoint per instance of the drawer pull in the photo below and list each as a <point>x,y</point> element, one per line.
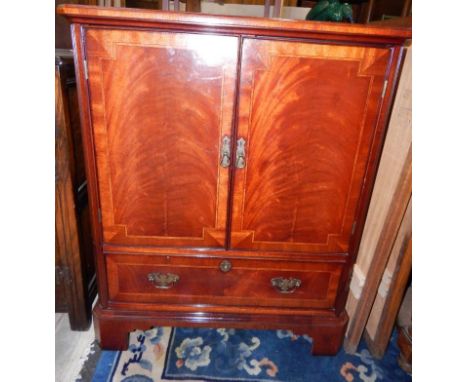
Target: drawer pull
<point>225,266</point>
<point>163,280</point>
<point>284,285</point>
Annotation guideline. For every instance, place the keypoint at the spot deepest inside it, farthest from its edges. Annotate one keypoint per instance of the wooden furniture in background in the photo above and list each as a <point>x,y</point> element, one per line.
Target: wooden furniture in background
<point>392,164</point>
<point>405,332</point>
<point>404,22</point>
<point>62,26</point>
<point>379,261</point>
<point>390,8</point>
<point>193,5</point>
<point>144,4</point>
<point>384,313</point>
<point>112,3</point>
<point>287,3</point>
<point>75,278</point>
<point>230,165</point>
<point>378,10</point>
<point>190,5</point>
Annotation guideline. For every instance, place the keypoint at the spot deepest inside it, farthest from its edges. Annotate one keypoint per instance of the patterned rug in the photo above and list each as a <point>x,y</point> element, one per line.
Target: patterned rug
<point>182,354</point>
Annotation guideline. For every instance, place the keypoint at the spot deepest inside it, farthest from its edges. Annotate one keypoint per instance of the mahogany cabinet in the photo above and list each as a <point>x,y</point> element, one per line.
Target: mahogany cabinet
<point>230,163</point>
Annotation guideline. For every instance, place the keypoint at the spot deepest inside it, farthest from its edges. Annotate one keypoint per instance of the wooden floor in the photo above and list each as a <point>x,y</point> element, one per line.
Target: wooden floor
<point>71,349</point>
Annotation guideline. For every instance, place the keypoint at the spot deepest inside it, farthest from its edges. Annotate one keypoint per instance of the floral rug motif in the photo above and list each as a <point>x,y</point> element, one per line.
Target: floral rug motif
<point>199,354</point>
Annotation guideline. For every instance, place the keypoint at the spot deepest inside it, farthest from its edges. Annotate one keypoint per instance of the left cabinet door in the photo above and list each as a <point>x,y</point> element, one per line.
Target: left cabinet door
<point>161,106</point>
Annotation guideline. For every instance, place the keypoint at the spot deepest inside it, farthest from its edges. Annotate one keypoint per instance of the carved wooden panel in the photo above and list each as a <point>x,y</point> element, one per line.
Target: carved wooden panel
<point>308,114</point>
<point>200,281</point>
<point>160,105</point>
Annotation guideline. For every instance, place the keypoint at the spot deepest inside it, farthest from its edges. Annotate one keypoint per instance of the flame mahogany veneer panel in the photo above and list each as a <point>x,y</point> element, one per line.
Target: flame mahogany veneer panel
<point>160,104</point>
<point>308,113</point>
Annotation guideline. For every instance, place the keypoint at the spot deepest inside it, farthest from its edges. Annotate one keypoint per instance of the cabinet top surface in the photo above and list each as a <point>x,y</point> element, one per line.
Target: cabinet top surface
<point>250,25</point>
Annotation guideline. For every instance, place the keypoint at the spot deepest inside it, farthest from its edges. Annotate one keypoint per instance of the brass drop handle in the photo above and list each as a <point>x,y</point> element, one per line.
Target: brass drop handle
<point>226,152</point>
<point>240,153</point>
<point>225,266</point>
<point>163,280</point>
<point>285,285</point>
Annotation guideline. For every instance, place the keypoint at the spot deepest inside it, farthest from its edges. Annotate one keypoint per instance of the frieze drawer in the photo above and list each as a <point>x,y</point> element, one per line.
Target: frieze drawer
<point>221,281</point>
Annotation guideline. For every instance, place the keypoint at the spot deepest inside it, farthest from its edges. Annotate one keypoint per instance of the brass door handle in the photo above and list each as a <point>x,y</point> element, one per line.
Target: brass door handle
<point>285,285</point>
<point>226,152</point>
<point>163,280</point>
<point>240,153</point>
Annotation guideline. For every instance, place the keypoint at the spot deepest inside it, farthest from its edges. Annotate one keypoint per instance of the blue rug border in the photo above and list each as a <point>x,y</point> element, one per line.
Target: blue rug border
<point>106,366</point>
<point>166,360</point>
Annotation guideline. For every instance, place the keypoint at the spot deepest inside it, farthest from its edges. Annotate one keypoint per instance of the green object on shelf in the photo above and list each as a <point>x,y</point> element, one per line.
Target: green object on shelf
<point>331,10</point>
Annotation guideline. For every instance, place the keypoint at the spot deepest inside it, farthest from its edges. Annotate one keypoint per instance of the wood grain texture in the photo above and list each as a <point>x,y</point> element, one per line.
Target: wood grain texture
<point>74,264</point>
<point>247,283</point>
<point>62,27</point>
<point>379,342</point>
<point>78,173</point>
<point>392,272</point>
<point>77,33</point>
<point>406,22</point>
<point>220,252</point>
<point>397,143</point>
<point>383,249</point>
<point>112,327</point>
<point>193,6</point>
<point>161,104</point>
<point>308,113</point>
<point>129,56</point>
<point>233,24</point>
<point>405,332</point>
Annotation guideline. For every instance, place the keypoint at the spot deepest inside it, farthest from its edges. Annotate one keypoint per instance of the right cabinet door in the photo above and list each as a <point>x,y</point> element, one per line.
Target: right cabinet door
<point>308,114</point>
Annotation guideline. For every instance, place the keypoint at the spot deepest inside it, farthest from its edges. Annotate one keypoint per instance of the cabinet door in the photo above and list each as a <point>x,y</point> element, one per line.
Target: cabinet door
<point>161,104</point>
<point>308,113</point>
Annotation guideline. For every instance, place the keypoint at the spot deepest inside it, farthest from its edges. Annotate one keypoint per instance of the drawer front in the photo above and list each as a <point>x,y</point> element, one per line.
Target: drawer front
<point>218,281</point>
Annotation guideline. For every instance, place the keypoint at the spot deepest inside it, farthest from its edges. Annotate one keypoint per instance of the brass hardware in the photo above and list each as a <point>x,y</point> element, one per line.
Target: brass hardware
<point>226,152</point>
<point>284,285</point>
<point>384,89</point>
<point>85,66</point>
<point>163,280</point>
<point>240,153</point>
<point>225,266</point>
